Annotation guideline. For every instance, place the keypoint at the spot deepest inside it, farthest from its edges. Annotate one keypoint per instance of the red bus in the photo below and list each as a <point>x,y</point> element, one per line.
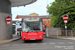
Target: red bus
<point>32,28</point>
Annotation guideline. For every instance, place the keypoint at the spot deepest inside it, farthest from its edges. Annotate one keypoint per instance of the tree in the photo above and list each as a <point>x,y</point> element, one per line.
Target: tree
<point>58,9</point>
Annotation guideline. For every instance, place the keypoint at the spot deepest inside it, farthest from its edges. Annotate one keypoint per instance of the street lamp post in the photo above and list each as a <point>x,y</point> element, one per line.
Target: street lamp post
<point>47,15</point>
<point>46,20</point>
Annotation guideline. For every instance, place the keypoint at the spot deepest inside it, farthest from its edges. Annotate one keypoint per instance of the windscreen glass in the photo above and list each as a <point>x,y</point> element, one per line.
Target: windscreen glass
<point>32,25</point>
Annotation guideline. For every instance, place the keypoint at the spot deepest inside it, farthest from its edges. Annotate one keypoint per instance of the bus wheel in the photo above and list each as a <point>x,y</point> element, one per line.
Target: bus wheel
<point>40,40</point>
<point>23,41</point>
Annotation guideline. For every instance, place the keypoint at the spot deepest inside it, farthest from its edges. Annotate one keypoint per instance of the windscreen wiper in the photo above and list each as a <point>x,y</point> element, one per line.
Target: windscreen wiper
<point>28,31</point>
<point>36,31</point>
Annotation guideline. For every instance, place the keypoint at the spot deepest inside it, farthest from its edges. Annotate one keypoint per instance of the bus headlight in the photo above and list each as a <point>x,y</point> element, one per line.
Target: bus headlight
<point>41,36</point>
<point>23,36</point>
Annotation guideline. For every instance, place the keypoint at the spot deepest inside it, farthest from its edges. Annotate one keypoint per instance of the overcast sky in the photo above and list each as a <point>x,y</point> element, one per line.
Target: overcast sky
<point>38,7</point>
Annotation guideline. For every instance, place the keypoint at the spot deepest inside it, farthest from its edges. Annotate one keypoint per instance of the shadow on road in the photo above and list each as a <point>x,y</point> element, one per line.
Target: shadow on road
<point>33,41</point>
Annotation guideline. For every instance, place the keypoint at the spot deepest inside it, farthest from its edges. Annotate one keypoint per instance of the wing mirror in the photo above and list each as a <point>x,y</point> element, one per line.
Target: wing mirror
<point>20,24</point>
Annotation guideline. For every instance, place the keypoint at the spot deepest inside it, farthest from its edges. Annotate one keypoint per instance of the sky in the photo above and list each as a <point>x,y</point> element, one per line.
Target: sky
<point>38,7</point>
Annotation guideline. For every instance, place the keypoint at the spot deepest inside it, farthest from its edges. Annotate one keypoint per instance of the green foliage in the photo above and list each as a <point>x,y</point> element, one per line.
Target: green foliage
<point>58,9</point>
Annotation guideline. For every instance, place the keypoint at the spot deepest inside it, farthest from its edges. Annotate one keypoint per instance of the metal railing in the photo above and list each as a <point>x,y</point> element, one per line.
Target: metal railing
<point>60,33</point>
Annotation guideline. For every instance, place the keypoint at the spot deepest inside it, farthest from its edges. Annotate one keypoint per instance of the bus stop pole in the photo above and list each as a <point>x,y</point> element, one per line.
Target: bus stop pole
<point>8,31</point>
<point>66,29</point>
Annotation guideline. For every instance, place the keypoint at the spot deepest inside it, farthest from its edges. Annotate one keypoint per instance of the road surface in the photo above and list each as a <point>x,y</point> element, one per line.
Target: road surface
<point>46,44</point>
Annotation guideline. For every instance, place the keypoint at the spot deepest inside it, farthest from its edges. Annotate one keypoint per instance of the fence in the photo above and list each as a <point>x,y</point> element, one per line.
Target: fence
<point>58,33</point>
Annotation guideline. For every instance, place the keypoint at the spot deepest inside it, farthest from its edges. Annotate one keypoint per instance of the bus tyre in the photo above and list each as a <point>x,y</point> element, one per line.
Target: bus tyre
<point>23,41</point>
<point>40,40</point>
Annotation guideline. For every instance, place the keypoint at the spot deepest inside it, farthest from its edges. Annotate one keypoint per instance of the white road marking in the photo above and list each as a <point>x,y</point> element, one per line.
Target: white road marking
<point>40,43</point>
<point>6,45</point>
<point>25,44</point>
<point>61,43</point>
<point>70,42</point>
<point>15,44</point>
<point>43,43</point>
<point>52,43</point>
<point>33,44</point>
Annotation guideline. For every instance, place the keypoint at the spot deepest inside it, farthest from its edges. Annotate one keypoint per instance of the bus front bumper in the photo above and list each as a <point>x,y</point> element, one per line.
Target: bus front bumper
<point>38,38</point>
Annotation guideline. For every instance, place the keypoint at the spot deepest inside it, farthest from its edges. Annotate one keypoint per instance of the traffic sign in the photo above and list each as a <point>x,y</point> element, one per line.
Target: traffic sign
<point>8,22</point>
<point>8,19</point>
<point>65,21</point>
<point>65,17</point>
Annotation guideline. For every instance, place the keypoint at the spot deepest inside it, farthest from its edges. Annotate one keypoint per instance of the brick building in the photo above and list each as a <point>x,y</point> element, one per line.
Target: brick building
<point>46,18</point>
<point>34,14</point>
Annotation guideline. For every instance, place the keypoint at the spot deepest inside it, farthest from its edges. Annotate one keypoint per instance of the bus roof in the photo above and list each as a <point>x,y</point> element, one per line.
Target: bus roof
<point>32,17</point>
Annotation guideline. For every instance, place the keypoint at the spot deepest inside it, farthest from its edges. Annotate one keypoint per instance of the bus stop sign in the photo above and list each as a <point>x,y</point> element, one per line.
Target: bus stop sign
<point>8,19</point>
<point>65,18</point>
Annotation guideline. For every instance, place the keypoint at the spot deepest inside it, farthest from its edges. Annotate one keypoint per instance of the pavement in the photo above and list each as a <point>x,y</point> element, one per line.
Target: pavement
<point>15,37</point>
<point>63,37</point>
<point>69,38</point>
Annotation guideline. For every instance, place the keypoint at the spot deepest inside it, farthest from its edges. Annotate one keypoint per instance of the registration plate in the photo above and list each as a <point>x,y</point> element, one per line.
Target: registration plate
<point>32,39</point>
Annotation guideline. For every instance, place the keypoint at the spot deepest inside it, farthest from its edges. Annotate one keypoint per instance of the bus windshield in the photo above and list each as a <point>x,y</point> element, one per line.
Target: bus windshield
<point>32,26</point>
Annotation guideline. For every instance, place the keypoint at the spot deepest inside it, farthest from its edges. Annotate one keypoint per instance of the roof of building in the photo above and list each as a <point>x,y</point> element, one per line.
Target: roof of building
<point>15,20</point>
<point>44,16</point>
<point>33,13</point>
<point>15,3</point>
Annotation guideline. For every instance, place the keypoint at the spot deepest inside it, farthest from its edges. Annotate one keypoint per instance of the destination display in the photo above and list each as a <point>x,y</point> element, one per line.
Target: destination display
<point>32,19</point>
